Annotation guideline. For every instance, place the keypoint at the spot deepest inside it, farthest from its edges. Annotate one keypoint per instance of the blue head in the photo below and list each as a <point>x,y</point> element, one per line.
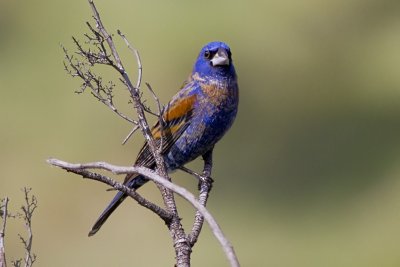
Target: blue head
<point>215,60</point>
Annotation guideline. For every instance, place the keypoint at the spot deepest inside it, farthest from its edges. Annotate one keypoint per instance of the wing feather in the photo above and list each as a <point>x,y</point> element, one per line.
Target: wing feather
<point>176,118</point>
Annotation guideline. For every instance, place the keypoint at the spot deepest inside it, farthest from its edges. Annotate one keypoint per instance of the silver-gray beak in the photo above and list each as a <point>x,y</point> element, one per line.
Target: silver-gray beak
<point>220,58</point>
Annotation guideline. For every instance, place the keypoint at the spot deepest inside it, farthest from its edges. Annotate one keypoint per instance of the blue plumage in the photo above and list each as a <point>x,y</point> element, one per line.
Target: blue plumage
<point>196,118</point>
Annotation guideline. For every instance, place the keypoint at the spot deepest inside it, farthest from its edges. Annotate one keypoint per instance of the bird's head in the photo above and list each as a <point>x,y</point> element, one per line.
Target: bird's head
<point>215,60</point>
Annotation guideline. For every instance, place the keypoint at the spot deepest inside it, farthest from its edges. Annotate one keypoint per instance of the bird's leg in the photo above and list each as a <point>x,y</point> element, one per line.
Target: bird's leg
<point>205,178</point>
<point>200,177</point>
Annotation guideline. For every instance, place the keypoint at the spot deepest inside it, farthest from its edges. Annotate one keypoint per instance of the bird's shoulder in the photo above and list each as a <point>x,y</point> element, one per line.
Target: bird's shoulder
<point>176,116</point>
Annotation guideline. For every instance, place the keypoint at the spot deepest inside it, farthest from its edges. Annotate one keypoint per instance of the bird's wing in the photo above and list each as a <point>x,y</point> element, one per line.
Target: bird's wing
<point>176,118</point>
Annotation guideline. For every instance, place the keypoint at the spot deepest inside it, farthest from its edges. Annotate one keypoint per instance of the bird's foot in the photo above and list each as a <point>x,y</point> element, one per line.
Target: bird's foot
<point>205,181</point>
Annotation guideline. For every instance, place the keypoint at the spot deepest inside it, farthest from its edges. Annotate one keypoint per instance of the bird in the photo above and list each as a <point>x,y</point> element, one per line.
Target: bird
<point>193,121</point>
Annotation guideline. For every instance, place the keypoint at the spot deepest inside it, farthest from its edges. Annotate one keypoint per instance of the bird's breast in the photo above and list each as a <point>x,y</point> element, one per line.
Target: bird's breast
<point>218,107</point>
<point>220,95</point>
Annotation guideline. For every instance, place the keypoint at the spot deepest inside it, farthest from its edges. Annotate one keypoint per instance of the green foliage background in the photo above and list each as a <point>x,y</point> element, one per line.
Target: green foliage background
<point>308,175</point>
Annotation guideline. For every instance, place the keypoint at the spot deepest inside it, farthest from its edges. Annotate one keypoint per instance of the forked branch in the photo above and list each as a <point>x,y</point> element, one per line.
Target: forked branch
<point>28,209</point>
<point>150,174</point>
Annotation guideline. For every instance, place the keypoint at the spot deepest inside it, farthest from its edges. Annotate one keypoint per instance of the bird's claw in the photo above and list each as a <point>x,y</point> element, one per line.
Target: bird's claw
<point>205,180</point>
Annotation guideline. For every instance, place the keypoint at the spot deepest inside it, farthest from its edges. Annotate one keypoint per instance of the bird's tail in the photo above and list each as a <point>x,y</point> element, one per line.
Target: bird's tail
<point>134,183</point>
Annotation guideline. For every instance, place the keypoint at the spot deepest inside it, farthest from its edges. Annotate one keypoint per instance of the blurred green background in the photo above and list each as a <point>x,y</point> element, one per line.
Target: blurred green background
<point>307,176</point>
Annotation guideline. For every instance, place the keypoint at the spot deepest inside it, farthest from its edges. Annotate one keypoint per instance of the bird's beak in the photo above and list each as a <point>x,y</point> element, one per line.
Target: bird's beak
<point>220,58</point>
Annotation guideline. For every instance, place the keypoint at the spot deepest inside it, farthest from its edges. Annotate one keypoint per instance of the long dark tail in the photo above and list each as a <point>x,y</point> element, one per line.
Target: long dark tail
<point>134,183</point>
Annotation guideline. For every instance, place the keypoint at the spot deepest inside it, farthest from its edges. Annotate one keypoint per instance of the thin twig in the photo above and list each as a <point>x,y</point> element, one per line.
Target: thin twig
<point>205,185</point>
<point>79,69</point>
<point>155,99</point>
<point>137,55</point>
<point>28,209</point>
<point>3,215</point>
<point>150,174</point>
<point>134,90</point>
<point>134,129</point>
<point>159,115</point>
<point>107,37</point>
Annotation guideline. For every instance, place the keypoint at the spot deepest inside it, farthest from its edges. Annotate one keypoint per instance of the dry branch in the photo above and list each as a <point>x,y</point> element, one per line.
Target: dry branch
<point>3,215</point>
<point>27,213</point>
<point>150,174</point>
<point>182,248</point>
<point>28,209</point>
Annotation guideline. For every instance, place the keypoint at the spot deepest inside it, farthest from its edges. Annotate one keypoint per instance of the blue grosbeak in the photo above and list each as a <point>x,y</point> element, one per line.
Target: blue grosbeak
<point>193,121</point>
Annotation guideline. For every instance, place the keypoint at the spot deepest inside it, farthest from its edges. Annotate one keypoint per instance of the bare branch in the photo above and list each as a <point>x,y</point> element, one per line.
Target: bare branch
<point>107,37</point>
<point>150,174</point>
<point>107,54</point>
<point>181,246</point>
<point>3,215</point>
<point>137,55</point>
<point>77,68</point>
<point>159,115</point>
<point>134,90</point>
<point>28,209</point>
<point>134,129</point>
<point>159,109</point>
<point>81,170</point>
<point>205,185</point>
<point>27,212</point>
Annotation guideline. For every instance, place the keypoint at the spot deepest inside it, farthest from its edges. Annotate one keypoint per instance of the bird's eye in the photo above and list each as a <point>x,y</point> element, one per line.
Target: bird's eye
<point>207,54</point>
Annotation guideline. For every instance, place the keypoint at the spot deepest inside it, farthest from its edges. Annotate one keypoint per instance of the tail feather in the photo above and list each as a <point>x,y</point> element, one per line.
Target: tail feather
<point>134,183</point>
